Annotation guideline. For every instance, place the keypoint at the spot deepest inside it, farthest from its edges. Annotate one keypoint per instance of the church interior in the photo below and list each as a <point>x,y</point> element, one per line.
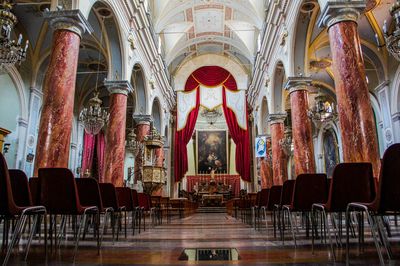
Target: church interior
<point>222,132</point>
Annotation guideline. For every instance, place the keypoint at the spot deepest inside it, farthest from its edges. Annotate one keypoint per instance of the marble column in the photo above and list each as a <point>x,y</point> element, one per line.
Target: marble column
<point>116,130</point>
<point>303,155</point>
<point>279,158</point>
<point>143,123</point>
<point>356,119</point>
<point>59,89</point>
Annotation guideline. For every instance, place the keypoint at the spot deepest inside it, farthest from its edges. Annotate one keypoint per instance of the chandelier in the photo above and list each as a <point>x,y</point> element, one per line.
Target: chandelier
<point>286,143</point>
<point>11,52</point>
<point>211,116</point>
<point>323,112</point>
<point>94,117</point>
<point>132,144</point>
<point>393,40</point>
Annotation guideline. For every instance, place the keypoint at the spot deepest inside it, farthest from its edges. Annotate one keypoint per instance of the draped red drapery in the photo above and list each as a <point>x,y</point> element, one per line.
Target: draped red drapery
<point>212,76</point>
<point>90,144</point>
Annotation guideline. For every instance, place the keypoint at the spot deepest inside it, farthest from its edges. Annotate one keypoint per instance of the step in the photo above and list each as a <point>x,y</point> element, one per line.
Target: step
<point>211,210</point>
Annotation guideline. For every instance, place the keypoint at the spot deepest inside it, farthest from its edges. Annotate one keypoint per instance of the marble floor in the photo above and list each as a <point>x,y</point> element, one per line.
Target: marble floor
<point>163,245</point>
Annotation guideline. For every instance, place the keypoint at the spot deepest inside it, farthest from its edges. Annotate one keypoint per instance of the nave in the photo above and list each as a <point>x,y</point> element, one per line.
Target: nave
<point>163,245</point>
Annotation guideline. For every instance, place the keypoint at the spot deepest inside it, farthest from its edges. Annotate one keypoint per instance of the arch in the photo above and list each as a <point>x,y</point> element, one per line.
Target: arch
<point>190,66</point>
<point>156,114</point>
<point>19,85</point>
<point>264,112</point>
<point>277,94</point>
<point>333,125</point>
<point>138,81</point>
<point>395,93</point>
<point>378,122</point>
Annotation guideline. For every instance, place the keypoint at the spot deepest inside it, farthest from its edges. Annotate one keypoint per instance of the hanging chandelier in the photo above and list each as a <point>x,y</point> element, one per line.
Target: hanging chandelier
<point>94,117</point>
<point>211,116</point>
<point>323,112</point>
<point>11,52</point>
<point>286,143</point>
<point>132,144</point>
<point>393,39</point>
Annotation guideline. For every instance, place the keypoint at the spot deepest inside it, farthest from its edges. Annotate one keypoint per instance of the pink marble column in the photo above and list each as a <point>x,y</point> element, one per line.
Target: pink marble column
<point>279,158</point>
<point>266,168</point>
<point>55,126</point>
<point>303,155</point>
<point>115,135</point>
<point>142,130</point>
<point>356,119</point>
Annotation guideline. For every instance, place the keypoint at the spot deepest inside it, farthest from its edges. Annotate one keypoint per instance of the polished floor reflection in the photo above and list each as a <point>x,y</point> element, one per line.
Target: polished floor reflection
<point>163,245</point>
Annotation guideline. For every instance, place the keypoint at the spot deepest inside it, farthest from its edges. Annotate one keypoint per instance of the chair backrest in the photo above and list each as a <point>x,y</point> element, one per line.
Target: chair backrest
<point>351,182</point>
<point>58,192</point>
<point>388,199</point>
<point>20,188</point>
<point>89,192</point>
<point>144,201</point>
<point>109,196</point>
<point>287,192</point>
<point>7,204</point>
<point>263,197</point>
<point>124,196</point>
<point>309,189</point>
<point>135,198</point>
<point>274,197</point>
<point>34,189</point>
<point>258,198</point>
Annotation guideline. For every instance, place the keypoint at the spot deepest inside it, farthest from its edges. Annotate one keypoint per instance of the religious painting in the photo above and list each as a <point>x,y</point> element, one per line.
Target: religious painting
<point>331,153</point>
<point>212,150</point>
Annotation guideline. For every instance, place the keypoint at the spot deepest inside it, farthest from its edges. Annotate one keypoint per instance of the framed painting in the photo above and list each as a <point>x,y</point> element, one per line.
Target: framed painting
<point>212,151</point>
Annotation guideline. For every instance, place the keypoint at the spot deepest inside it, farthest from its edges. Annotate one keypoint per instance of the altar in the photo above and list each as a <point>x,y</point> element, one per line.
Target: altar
<point>223,186</point>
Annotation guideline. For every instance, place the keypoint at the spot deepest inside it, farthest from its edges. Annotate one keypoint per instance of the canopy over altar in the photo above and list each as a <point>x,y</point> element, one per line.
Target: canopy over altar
<point>211,87</point>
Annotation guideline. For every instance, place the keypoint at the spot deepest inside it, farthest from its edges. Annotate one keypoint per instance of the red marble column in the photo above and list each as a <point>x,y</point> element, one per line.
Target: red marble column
<point>266,168</point>
<point>142,130</point>
<point>303,155</point>
<point>356,119</point>
<point>55,126</point>
<point>115,135</point>
<point>279,159</point>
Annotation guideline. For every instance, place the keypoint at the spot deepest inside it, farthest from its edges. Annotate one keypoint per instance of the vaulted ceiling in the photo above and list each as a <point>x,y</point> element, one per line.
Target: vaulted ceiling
<point>190,28</point>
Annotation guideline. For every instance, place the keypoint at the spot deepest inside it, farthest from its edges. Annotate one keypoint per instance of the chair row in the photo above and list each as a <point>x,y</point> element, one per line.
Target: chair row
<point>351,191</point>
<point>57,193</point>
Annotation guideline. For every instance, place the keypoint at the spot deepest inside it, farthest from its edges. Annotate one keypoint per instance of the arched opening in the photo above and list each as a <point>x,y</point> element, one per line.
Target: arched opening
<point>138,83</point>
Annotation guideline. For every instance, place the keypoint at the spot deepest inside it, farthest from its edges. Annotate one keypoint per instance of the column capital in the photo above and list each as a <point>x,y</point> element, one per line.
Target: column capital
<point>70,20</point>
<point>298,84</point>
<point>118,86</point>
<point>277,118</point>
<point>334,11</point>
<point>142,119</point>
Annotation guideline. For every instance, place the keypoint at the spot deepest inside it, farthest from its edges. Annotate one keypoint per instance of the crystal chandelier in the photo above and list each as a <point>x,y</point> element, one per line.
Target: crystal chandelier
<point>286,143</point>
<point>393,39</point>
<point>132,144</point>
<point>11,52</point>
<point>323,112</point>
<point>211,116</point>
<point>94,117</point>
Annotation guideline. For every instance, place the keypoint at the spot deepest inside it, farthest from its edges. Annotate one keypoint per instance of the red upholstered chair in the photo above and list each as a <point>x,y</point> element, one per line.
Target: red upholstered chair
<point>274,197</point>
<point>386,202</point>
<point>262,201</point>
<point>285,199</point>
<point>138,210</point>
<point>145,205</point>
<point>20,188</point>
<point>34,189</point>
<point>350,182</point>
<point>59,194</point>
<point>110,200</point>
<point>308,189</point>
<point>89,195</point>
<point>124,196</point>
<point>10,210</point>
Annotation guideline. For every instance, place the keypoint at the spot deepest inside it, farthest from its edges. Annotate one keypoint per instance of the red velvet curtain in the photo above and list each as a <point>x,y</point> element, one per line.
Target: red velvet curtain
<point>100,149</point>
<point>182,138</point>
<point>88,151</point>
<point>212,76</point>
<point>242,140</point>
